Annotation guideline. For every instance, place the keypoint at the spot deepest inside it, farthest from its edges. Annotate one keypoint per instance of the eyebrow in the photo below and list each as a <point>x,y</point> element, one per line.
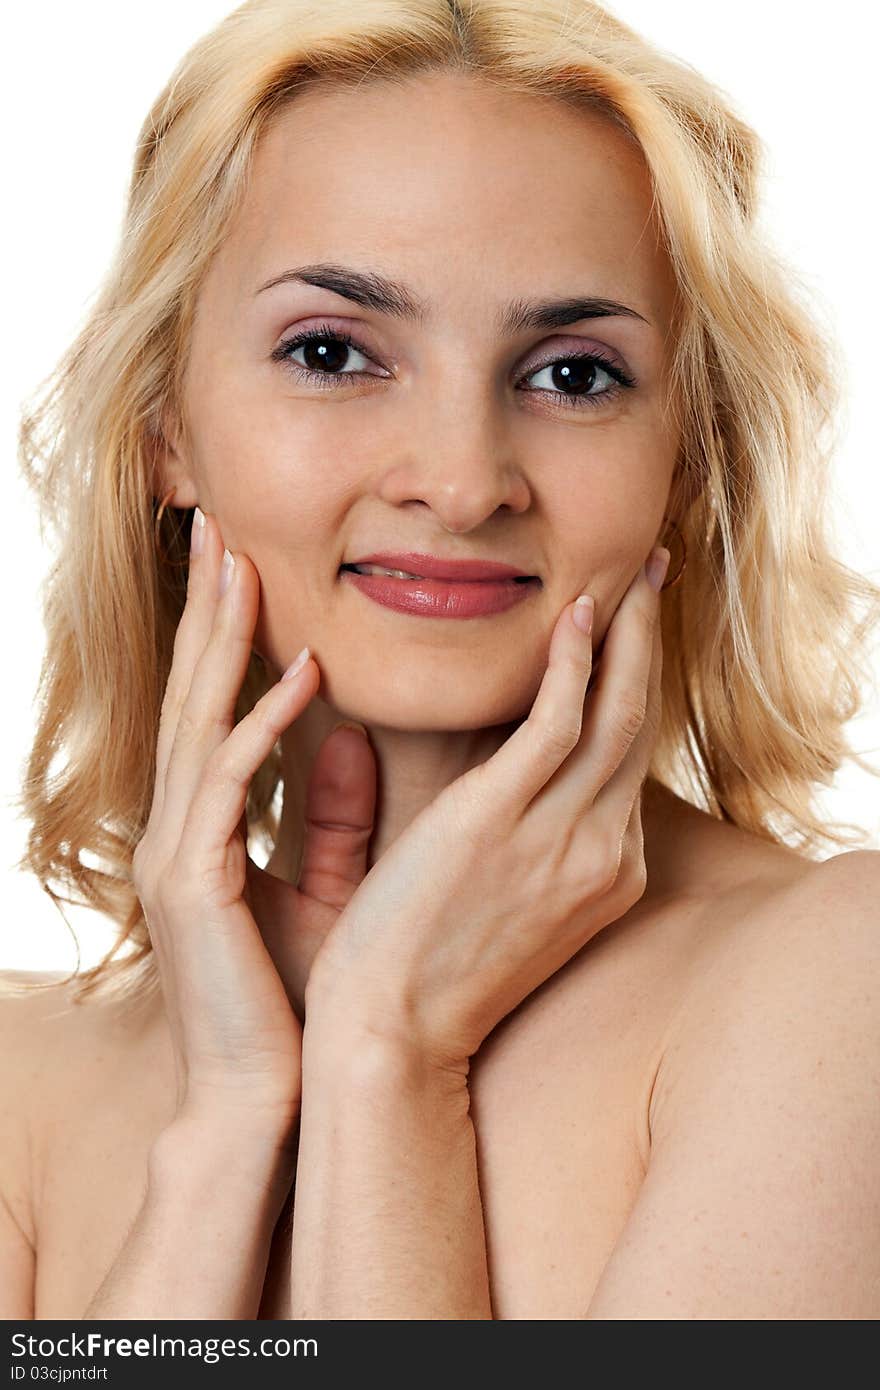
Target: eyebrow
<point>374,291</point>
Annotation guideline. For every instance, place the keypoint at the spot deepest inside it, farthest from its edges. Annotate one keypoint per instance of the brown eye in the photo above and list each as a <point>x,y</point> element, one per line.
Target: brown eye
<point>575,376</point>
<point>326,351</point>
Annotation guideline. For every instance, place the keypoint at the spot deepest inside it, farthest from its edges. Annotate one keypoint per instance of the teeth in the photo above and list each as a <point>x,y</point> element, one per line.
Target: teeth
<point>378,569</point>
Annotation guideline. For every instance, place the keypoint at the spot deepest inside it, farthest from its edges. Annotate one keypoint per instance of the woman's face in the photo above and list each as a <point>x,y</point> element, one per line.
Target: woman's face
<point>442,430</point>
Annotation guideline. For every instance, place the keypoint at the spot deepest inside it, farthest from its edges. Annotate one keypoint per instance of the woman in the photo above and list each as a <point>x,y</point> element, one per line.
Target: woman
<point>506,1027</point>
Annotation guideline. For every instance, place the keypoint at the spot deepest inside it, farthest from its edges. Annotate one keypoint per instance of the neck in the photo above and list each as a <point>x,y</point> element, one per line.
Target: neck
<point>412,768</point>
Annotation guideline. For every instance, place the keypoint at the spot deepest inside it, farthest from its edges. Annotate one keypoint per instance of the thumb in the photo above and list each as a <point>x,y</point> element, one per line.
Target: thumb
<point>339,813</point>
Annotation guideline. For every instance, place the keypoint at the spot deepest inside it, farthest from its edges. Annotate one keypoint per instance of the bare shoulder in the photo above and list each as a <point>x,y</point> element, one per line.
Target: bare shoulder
<point>44,1025</point>
<point>33,1007</point>
<point>70,1066</point>
<point>60,1048</point>
<point>793,971</point>
<point>817,930</point>
<point>27,1000</point>
<point>45,1036</point>
<point>763,1191</point>
<point>61,1056</point>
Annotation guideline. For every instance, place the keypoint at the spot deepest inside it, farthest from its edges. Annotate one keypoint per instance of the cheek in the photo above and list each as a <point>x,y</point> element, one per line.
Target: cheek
<point>613,512</point>
<point>610,498</point>
<point>265,468</point>
<point>267,476</point>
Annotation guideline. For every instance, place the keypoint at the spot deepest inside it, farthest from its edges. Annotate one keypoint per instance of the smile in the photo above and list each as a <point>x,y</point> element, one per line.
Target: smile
<point>438,598</point>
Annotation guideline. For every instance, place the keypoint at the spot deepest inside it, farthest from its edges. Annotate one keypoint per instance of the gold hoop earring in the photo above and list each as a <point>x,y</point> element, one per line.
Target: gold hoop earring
<point>669,583</point>
<point>157,543</point>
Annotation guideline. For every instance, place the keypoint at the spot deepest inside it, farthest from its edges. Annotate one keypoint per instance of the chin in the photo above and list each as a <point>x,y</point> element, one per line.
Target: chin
<point>399,700</point>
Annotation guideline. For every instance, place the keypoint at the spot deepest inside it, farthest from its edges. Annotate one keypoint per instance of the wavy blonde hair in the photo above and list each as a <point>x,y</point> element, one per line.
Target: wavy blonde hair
<point>765,637</point>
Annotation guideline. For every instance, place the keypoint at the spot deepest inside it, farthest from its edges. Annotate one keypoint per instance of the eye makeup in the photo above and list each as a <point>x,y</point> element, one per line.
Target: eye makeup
<point>570,367</point>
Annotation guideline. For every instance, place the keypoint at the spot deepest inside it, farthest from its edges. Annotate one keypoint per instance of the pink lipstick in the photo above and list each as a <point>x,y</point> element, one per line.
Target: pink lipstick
<point>430,586</point>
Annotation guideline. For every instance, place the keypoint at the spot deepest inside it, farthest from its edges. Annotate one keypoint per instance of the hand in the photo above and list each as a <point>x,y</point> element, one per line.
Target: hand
<point>516,864</point>
<point>227,982</point>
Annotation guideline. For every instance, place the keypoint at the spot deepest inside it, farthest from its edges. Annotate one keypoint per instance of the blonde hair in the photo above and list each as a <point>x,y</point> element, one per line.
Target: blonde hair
<point>764,641</point>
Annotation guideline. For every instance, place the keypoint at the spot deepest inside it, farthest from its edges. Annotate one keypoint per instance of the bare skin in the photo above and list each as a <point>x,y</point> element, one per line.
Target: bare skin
<point>441,452</point>
<point>539,1152</point>
<point>562,1091</point>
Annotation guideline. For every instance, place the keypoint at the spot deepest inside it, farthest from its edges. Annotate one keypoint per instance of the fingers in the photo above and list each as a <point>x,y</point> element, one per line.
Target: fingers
<point>619,793</point>
<point>561,751</point>
<point>534,751</point>
<point>190,640</point>
<point>625,694</point>
<point>208,709</point>
<point>339,815</point>
<point>212,651</point>
<point>214,811</point>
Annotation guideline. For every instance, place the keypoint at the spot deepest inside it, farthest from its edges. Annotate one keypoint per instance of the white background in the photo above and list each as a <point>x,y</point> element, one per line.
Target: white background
<point>80,83</point>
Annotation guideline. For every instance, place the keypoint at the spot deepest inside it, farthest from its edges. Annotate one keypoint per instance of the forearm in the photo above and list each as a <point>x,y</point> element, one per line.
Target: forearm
<point>200,1243</point>
<point>388,1221</point>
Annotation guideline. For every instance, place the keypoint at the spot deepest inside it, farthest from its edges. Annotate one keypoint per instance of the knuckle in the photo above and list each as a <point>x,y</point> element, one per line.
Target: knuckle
<point>262,718</point>
<point>217,767</point>
<point>143,850</point>
<point>148,876</point>
<point>631,711</point>
<point>558,736</point>
<point>601,864</point>
<point>193,727</point>
<point>633,876</point>
<point>220,722</point>
<point>653,711</point>
<point>186,725</point>
<point>223,767</point>
<point>174,891</point>
<point>139,867</point>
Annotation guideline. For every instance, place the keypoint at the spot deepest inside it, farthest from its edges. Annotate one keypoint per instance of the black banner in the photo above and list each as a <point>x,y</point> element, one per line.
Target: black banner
<point>132,1353</point>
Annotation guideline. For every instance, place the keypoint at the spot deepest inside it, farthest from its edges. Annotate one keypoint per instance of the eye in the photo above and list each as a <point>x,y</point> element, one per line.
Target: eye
<point>328,347</point>
<point>575,374</point>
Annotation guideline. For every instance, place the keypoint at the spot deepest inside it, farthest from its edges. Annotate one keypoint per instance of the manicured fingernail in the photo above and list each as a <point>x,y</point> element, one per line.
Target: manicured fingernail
<point>656,567</point>
<point>297,664</point>
<point>226,570</point>
<point>350,724</point>
<point>197,534</point>
<point>583,613</point>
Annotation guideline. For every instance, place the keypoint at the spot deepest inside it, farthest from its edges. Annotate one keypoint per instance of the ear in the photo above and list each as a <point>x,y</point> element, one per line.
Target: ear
<point>169,460</point>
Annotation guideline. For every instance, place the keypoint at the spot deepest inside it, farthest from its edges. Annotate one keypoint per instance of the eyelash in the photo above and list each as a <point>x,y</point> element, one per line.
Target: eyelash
<point>327,380</point>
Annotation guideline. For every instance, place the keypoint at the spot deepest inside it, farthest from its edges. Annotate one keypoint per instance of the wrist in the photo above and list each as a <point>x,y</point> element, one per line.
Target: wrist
<point>351,1045</point>
<point>201,1150</point>
<point>227,1119</point>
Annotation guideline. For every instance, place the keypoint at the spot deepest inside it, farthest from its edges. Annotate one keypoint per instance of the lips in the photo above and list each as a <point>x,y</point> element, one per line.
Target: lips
<point>415,565</point>
<point>439,598</point>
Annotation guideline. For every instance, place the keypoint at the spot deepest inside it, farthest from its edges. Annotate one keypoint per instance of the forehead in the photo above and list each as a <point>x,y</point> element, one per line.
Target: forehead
<point>461,188</point>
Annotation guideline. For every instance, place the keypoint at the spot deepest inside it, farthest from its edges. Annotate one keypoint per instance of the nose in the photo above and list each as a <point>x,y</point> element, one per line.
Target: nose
<point>463,468</point>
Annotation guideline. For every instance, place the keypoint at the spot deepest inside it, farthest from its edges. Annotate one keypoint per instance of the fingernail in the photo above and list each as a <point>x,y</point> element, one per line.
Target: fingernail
<point>656,567</point>
<point>197,534</point>
<point>582,613</point>
<point>297,664</point>
<point>226,570</point>
<point>349,724</point>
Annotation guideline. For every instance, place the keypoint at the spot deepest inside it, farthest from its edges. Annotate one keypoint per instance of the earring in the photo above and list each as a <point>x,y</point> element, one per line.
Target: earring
<point>668,583</point>
<point>160,549</point>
